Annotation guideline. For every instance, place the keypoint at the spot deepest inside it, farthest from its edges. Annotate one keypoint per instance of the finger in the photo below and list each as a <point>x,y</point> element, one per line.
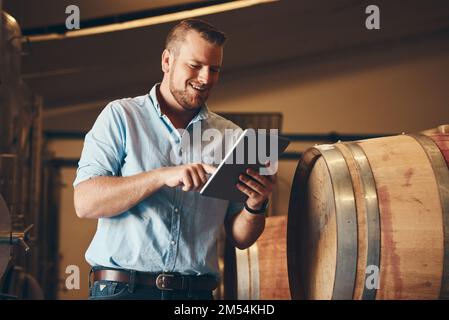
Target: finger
<point>272,178</point>
<point>252,184</point>
<point>187,181</point>
<point>208,168</point>
<point>194,173</point>
<point>202,174</point>
<point>247,190</point>
<point>270,168</point>
<point>263,180</point>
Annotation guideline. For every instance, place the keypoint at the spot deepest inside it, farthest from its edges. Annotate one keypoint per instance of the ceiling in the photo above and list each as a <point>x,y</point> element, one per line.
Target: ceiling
<point>76,71</point>
<point>41,13</point>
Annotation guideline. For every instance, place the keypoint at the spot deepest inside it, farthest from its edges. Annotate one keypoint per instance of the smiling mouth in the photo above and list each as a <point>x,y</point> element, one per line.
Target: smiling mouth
<point>198,88</point>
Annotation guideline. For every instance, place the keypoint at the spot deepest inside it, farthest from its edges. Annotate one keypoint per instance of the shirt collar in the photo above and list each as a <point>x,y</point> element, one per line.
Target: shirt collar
<point>201,115</point>
<point>153,98</point>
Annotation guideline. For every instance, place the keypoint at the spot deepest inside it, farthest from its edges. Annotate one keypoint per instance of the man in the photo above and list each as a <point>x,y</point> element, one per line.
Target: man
<point>156,235</point>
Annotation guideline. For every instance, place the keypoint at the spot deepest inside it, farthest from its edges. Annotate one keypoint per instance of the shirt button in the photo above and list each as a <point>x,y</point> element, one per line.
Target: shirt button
<point>176,209</point>
<point>172,242</point>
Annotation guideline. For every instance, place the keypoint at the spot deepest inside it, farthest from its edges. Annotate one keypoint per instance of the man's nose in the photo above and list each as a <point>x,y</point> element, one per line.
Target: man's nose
<point>205,75</point>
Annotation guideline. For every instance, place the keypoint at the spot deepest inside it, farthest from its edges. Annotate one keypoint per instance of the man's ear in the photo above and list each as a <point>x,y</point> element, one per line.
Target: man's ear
<point>165,61</point>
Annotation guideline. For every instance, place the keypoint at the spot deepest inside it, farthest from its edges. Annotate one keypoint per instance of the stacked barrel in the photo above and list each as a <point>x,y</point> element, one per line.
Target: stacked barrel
<point>262,268</point>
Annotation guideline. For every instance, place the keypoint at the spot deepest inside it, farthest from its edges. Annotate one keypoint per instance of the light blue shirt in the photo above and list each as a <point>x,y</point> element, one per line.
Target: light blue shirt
<point>171,230</point>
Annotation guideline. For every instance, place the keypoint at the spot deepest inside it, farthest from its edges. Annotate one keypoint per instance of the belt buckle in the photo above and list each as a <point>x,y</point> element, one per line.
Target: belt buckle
<point>163,281</point>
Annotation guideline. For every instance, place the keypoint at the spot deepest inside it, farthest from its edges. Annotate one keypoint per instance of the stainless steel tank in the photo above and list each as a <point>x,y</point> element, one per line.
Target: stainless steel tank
<point>15,96</point>
<point>5,229</point>
<point>10,57</point>
<point>17,151</point>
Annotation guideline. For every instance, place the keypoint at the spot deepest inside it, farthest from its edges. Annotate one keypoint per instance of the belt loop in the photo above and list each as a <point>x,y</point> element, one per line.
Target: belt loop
<point>89,283</point>
<point>189,286</point>
<point>132,274</point>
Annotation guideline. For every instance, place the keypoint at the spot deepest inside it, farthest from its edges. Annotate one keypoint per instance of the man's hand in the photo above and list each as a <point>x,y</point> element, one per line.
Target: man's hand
<point>257,187</point>
<point>191,176</point>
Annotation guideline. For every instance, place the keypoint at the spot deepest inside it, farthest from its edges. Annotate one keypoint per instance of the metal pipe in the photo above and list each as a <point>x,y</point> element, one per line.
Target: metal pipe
<point>16,237</point>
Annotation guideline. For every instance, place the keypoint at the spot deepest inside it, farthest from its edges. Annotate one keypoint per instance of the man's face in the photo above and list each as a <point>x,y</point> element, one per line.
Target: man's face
<point>194,71</point>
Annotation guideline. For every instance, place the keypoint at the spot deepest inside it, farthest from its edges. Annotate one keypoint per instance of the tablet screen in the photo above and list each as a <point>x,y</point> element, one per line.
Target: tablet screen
<point>253,149</point>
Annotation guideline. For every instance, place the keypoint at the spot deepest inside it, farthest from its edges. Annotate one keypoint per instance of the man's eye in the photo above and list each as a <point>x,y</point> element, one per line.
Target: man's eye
<point>216,70</point>
<point>194,66</point>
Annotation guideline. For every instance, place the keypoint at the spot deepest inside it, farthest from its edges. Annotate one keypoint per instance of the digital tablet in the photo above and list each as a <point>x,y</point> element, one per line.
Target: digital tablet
<point>252,150</point>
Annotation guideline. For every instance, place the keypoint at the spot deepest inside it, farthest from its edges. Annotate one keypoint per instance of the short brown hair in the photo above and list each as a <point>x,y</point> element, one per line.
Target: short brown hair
<point>207,31</point>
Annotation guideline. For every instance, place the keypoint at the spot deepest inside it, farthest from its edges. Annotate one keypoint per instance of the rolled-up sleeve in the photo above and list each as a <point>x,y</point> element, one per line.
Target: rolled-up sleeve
<point>104,146</point>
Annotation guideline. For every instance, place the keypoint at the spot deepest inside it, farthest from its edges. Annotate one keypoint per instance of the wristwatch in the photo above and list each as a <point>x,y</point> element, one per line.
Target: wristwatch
<point>258,211</point>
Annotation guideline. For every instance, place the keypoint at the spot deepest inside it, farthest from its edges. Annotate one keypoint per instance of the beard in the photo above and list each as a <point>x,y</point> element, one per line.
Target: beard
<point>187,97</point>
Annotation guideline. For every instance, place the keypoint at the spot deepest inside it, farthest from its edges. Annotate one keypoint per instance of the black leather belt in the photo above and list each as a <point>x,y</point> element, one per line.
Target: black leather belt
<point>163,281</point>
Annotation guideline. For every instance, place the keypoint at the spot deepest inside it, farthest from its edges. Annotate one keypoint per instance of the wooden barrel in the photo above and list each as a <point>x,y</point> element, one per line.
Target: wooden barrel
<point>370,220</point>
<point>440,136</point>
<point>262,268</point>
